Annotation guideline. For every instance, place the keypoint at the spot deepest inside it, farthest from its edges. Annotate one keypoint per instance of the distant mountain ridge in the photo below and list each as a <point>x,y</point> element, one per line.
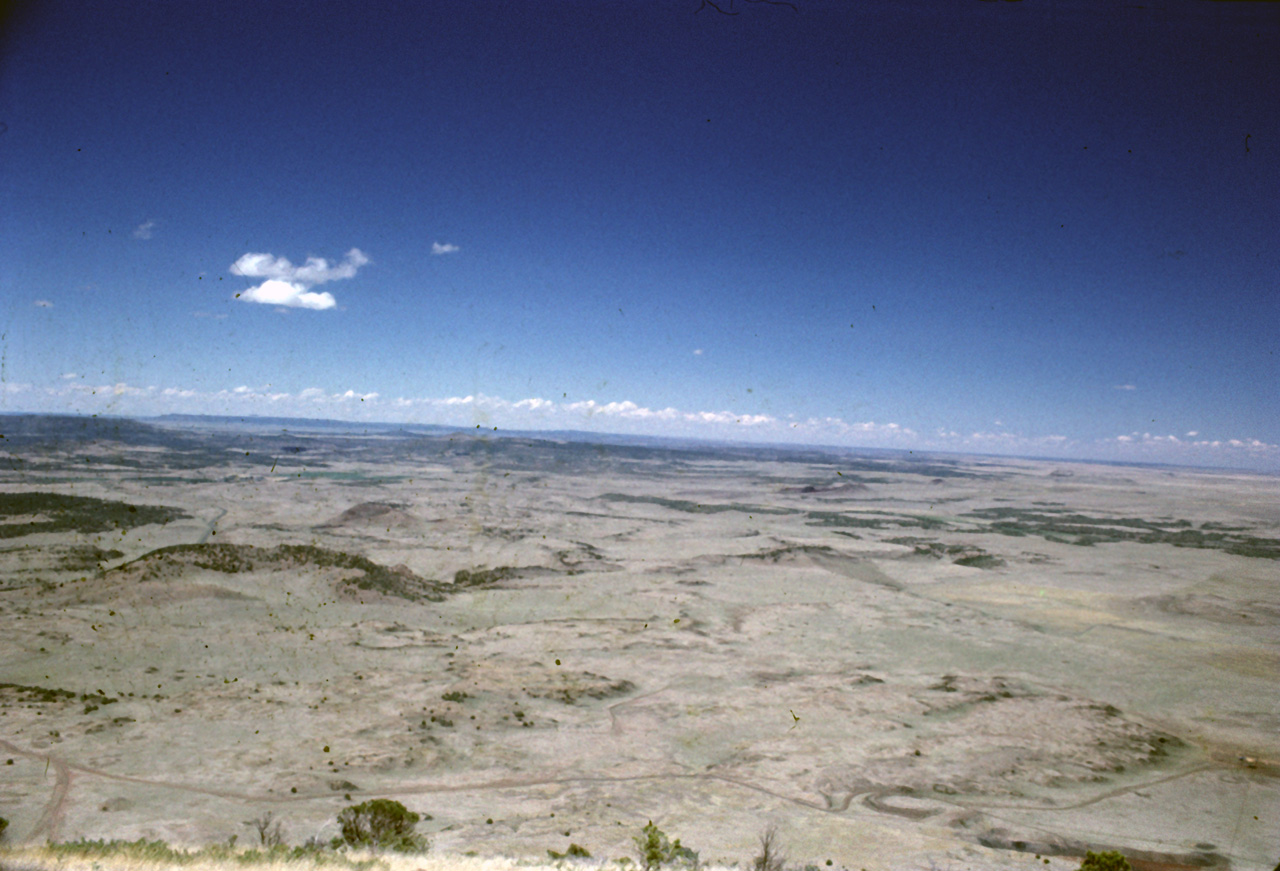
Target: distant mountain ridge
<point>184,430</point>
<point>45,428</point>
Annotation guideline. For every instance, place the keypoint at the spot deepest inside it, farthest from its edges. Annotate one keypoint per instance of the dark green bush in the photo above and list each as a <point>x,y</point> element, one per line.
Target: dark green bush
<point>382,824</point>
<point>1109,860</point>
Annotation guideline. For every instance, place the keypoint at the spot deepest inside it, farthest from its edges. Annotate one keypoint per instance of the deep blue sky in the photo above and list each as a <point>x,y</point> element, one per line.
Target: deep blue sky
<point>1045,228</point>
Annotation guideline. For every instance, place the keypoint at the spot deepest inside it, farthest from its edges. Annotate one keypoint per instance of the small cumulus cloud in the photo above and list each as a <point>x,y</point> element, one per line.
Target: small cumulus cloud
<point>697,352</point>
<point>43,303</point>
<point>1193,433</point>
<point>1125,387</point>
<point>437,248</point>
<point>290,294</point>
<point>144,230</point>
<point>69,376</point>
<point>289,285</point>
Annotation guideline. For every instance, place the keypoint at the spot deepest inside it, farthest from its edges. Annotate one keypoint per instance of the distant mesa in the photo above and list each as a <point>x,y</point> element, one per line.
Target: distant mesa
<point>384,514</point>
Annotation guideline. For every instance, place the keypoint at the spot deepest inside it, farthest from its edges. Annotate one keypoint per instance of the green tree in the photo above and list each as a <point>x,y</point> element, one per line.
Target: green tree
<point>654,850</point>
<point>382,824</point>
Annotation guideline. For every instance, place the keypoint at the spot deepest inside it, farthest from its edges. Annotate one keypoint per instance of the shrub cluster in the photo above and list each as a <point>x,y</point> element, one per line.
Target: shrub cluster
<point>54,512</point>
<point>382,824</point>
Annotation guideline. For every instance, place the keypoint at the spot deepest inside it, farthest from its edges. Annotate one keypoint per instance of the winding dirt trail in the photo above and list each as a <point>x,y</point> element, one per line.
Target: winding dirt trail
<point>210,524</point>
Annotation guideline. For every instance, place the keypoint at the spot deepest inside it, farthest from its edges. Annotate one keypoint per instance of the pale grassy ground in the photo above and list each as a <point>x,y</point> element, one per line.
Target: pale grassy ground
<point>702,643</point>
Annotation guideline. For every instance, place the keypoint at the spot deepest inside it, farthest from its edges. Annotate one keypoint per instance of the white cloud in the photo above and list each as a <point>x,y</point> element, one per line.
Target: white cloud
<point>69,376</point>
<point>315,271</point>
<point>350,395</point>
<point>1180,447</point>
<point>288,293</point>
<point>993,437</point>
<point>43,303</point>
<point>534,404</point>
<point>289,285</point>
<point>697,352</point>
<point>144,230</point>
<point>447,248</point>
<point>1125,387</point>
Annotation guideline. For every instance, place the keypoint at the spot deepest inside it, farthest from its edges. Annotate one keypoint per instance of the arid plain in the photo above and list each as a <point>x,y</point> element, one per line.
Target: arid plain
<point>899,661</point>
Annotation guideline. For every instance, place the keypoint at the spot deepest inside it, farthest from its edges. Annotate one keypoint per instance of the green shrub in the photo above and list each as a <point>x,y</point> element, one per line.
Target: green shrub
<point>4,824</point>
<point>574,852</point>
<point>654,850</point>
<point>381,824</point>
<point>1110,860</point>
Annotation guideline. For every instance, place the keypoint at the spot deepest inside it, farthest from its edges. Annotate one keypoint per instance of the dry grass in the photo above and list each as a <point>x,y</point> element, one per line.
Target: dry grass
<point>118,856</point>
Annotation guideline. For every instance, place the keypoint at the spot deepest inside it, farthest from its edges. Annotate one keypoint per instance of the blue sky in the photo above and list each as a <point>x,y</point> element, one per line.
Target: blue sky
<point>1037,228</point>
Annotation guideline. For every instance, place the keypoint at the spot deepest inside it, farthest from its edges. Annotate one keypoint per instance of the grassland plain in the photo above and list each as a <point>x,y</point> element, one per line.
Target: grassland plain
<point>898,662</point>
